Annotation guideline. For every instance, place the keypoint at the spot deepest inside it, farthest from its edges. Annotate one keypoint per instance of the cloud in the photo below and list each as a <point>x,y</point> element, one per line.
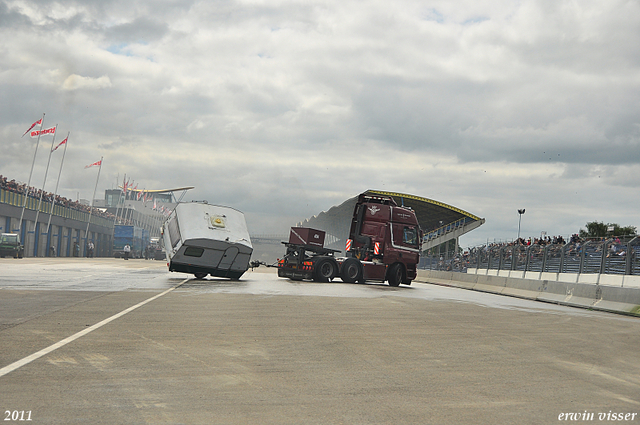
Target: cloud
<point>77,82</point>
<point>141,30</point>
<point>10,17</point>
<point>286,108</point>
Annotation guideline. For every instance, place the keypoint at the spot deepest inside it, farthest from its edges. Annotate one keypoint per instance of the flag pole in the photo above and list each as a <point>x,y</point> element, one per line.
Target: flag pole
<point>119,199</point>
<point>86,233</point>
<point>35,224</point>
<point>53,200</point>
<point>26,191</point>
<point>124,197</point>
<point>124,203</point>
<point>129,213</point>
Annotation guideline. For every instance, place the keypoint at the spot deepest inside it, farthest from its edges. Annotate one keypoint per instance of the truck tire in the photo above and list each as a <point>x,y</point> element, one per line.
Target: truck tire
<point>200,276</point>
<point>396,274</point>
<point>351,271</point>
<point>325,270</point>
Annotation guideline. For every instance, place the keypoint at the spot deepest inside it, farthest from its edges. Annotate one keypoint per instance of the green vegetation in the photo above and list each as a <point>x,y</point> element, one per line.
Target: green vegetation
<point>596,229</point>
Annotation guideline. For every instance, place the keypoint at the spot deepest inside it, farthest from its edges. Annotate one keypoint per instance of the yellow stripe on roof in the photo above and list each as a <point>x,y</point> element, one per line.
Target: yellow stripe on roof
<point>427,200</point>
<point>158,190</point>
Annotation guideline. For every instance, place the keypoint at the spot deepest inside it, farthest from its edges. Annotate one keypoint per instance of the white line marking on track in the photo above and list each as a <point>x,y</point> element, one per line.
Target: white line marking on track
<point>18,364</point>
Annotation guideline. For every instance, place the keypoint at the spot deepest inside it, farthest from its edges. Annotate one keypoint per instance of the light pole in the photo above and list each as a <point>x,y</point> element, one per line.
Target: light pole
<point>520,212</point>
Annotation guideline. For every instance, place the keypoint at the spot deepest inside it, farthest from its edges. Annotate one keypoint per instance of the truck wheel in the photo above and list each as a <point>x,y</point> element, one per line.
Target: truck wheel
<point>351,271</point>
<point>396,275</point>
<point>200,276</point>
<point>324,270</point>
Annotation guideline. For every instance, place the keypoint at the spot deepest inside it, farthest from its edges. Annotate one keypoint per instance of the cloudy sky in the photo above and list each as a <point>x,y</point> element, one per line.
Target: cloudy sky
<point>284,108</point>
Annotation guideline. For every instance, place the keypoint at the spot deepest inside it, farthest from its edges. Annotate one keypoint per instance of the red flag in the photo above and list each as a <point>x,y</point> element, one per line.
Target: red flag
<point>51,130</point>
<point>33,125</point>
<point>95,163</point>
<point>59,144</point>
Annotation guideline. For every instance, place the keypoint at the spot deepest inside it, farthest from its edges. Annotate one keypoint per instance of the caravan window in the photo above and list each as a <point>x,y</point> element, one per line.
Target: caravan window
<point>193,251</point>
<point>174,231</point>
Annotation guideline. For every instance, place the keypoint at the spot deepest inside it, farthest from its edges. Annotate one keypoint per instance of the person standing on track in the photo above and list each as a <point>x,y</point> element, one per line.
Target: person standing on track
<point>127,250</point>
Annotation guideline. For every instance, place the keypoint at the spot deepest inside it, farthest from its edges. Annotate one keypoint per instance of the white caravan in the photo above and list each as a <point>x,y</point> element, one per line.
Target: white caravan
<point>207,239</point>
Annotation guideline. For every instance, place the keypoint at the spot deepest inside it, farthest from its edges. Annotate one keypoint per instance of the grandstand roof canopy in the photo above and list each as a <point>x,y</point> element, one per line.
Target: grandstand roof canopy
<point>431,214</point>
<point>158,190</point>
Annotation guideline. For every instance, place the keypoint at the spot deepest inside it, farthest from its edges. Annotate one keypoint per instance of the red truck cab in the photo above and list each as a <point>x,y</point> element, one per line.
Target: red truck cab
<point>383,245</point>
<point>386,239</point>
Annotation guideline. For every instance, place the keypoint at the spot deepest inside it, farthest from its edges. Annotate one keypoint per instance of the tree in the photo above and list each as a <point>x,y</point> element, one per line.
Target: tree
<point>596,229</point>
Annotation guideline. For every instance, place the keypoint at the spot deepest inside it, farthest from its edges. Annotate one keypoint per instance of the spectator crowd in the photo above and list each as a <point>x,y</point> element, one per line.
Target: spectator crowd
<point>47,197</point>
<point>610,247</point>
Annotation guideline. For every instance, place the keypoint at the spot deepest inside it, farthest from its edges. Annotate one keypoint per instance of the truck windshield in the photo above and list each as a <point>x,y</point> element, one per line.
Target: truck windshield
<point>10,238</point>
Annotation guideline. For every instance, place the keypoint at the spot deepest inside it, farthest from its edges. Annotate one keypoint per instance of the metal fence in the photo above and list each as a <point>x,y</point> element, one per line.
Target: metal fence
<point>447,228</point>
<point>604,257</point>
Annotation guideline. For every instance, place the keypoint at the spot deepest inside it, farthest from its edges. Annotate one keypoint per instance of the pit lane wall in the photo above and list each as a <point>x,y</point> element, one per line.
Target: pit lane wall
<point>616,293</point>
<point>68,227</point>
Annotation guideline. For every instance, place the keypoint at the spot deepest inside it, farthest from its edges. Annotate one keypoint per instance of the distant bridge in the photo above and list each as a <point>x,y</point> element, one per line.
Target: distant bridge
<point>277,239</point>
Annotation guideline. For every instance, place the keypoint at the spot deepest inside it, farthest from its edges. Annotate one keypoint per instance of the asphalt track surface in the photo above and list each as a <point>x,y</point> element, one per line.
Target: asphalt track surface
<point>106,341</point>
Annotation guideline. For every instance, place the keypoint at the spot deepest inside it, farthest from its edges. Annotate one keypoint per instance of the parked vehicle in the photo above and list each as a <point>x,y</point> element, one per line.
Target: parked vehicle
<point>203,239</point>
<point>10,245</point>
<point>383,245</point>
<point>154,249</point>
<point>128,235</point>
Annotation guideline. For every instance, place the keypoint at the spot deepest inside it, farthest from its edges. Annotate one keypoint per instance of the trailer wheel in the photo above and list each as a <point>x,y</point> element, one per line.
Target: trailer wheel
<point>200,276</point>
<point>324,270</point>
<point>396,274</point>
<point>351,271</point>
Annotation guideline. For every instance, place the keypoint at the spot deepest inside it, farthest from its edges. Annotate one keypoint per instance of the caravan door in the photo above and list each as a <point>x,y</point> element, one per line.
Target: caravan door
<point>228,258</point>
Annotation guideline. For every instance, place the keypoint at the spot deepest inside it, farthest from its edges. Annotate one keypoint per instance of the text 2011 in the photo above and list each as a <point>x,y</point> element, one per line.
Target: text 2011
<point>17,415</point>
